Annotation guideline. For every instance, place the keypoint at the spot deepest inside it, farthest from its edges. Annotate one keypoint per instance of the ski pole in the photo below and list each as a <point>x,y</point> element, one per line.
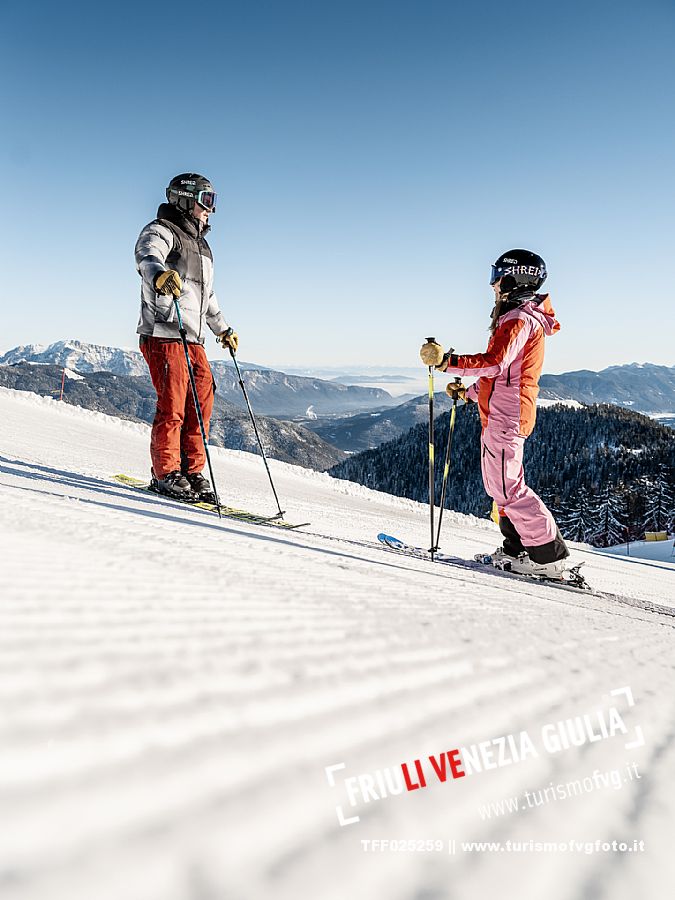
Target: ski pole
<point>193,385</point>
<point>446,467</point>
<point>280,514</point>
<point>432,498</point>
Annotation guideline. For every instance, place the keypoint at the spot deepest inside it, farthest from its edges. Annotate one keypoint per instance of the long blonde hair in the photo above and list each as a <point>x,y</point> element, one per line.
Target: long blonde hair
<point>495,314</point>
<point>504,305</point>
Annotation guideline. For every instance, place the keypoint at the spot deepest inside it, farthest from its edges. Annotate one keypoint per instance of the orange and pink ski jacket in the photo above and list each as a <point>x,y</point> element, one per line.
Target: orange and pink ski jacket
<point>509,370</point>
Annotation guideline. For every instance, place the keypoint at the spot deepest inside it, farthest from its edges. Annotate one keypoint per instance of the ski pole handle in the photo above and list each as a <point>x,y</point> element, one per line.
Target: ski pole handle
<point>223,340</point>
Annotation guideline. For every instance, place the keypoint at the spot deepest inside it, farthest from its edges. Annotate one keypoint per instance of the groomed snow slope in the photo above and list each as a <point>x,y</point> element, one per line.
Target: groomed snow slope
<point>657,550</point>
<point>173,688</point>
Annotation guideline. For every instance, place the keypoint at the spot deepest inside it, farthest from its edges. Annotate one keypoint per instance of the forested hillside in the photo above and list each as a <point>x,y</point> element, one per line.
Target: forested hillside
<point>603,470</point>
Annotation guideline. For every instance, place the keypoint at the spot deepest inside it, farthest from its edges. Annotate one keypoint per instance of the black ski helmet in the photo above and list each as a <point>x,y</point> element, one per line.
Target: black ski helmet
<point>521,271</point>
<point>189,188</point>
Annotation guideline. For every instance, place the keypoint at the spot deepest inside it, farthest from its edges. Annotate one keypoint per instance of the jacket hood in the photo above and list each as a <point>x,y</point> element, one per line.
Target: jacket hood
<point>186,223</point>
<point>539,307</point>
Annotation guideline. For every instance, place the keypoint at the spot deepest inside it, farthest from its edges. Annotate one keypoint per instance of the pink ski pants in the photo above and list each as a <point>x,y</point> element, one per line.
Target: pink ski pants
<point>504,480</point>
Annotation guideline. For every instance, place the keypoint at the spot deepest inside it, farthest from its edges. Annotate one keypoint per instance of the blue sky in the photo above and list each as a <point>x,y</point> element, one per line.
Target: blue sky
<point>371,159</point>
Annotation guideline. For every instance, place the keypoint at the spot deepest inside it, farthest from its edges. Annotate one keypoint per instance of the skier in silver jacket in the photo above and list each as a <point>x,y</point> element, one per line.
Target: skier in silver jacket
<point>174,260</point>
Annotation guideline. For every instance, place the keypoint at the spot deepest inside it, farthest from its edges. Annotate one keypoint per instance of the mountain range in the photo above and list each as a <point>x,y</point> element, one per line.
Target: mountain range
<point>642,387</point>
<point>133,397</point>
<point>363,431</point>
<point>272,393</point>
<point>79,356</point>
<point>350,418</point>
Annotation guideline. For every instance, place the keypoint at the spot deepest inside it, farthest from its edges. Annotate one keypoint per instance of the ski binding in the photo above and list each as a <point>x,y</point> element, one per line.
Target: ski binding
<point>571,577</point>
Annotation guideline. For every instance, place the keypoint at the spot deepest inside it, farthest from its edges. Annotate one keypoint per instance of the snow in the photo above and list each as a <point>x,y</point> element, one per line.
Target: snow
<point>174,687</point>
<point>574,404</point>
<point>79,355</point>
<point>655,550</point>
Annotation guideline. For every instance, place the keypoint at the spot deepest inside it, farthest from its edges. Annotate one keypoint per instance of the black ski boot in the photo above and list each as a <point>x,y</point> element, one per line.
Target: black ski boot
<point>201,487</point>
<point>173,485</point>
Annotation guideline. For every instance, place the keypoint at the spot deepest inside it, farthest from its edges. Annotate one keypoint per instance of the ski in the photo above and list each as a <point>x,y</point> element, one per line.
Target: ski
<point>475,565</point>
<point>227,512</point>
<point>573,580</point>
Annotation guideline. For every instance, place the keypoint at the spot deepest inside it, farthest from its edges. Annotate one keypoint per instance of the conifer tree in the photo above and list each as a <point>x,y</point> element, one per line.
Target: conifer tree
<point>580,519</point>
<point>659,502</point>
<point>612,517</point>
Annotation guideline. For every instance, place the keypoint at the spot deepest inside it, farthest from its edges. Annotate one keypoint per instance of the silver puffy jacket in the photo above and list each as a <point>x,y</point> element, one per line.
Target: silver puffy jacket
<point>198,302</point>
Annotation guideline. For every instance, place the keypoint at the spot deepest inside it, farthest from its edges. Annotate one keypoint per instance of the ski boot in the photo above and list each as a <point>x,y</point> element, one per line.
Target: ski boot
<point>173,485</point>
<point>201,487</point>
<point>523,565</point>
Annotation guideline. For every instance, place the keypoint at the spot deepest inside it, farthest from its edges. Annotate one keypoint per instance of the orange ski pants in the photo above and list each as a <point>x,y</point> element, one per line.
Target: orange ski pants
<point>176,440</point>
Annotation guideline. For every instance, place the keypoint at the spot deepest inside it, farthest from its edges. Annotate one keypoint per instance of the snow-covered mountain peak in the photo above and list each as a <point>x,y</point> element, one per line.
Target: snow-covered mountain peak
<point>80,356</point>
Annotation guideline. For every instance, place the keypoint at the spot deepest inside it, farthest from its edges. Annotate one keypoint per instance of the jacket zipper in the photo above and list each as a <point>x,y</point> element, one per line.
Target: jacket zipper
<point>201,285</point>
<point>492,390</point>
<point>508,376</point>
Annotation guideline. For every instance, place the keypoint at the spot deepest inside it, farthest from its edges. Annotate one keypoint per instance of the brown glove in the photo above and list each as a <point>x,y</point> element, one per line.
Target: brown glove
<point>455,389</point>
<point>168,283</point>
<point>431,354</point>
<point>229,338</point>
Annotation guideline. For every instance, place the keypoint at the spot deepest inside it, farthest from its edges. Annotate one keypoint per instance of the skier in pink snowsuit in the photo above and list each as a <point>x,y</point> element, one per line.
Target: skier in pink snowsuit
<point>506,392</point>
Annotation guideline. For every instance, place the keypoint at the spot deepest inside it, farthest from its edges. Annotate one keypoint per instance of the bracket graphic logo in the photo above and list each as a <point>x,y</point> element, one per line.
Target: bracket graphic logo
<point>503,750</point>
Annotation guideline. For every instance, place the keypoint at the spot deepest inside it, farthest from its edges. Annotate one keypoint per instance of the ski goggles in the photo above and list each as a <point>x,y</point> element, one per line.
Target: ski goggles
<point>207,199</point>
<point>496,274</point>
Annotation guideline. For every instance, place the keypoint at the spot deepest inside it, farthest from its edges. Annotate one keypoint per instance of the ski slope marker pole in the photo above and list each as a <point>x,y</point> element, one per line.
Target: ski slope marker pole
<point>193,385</point>
<point>446,466</point>
<point>432,497</point>
<point>280,514</point>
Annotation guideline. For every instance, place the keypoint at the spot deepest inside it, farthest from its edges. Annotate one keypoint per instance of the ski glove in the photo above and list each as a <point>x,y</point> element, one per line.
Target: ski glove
<point>229,339</point>
<point>431,354</point>
<point>168,283</point>
<point>455,389</point>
